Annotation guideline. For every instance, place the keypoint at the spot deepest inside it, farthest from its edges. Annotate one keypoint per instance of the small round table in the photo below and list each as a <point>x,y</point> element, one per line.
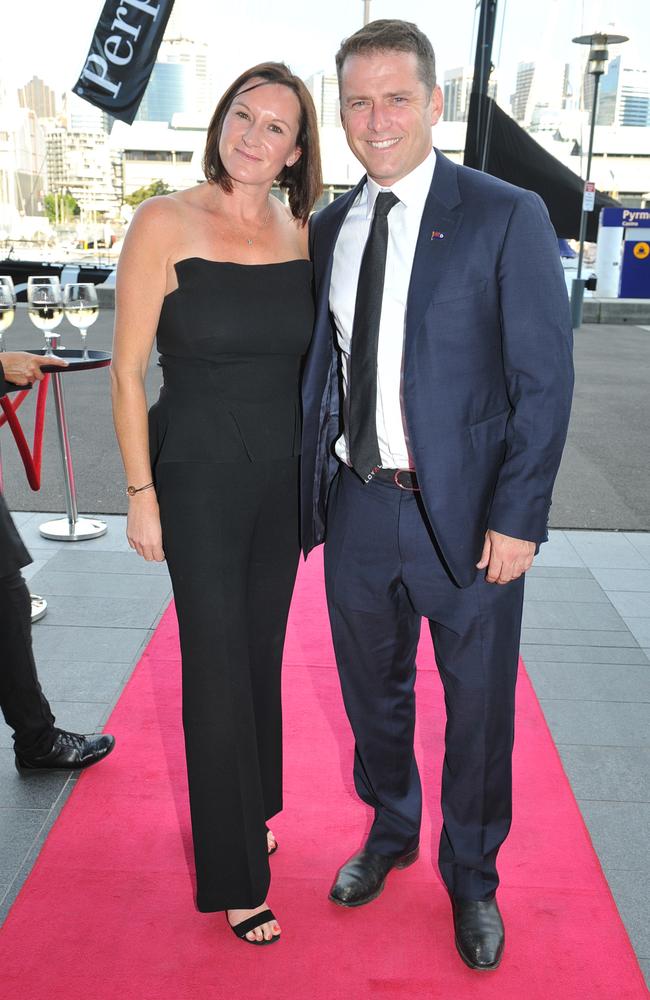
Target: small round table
<point>71,528</point>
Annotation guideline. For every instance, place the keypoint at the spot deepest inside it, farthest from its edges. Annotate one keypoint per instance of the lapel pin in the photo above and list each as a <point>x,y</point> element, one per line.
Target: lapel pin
<point>435,235</point>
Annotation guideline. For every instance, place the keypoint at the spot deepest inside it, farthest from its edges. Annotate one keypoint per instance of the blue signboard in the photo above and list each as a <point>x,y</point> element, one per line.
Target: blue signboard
<point>635,272</point>
<point>625,218</point>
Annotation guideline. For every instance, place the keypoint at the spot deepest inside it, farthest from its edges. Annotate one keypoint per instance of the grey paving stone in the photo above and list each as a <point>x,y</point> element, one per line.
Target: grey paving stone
<point>577,637</point>
<point>631,890</point>
<point>28,791</point>
<point>623,724</point>
<point>606,549</point>
<point>113,541</point>
<point>641,542</point>
<point>18,830</point>
<point>82,680</point>
<point>619,831</point>
<point>558,551</point>
<point>631,605</point>
<point>53,582</point>
<point>623,579</point>
<point>583,654</point>
<point>590,681</point>
<point>21,517</point>
<point>640,629</point>
<point>112,645</point>
<point>109,612</point>
<point>22,870</point>
<point>571,590</point>
<point>644,963</point>
<point>558,572</point>
<point>29,572</point>
<point>563,615</point>
<point>75,560</point>
<point>615,774</point>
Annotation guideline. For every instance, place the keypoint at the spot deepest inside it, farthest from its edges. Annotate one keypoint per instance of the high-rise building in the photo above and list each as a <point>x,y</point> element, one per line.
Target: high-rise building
<point>179,82</point>
<point>83,164</point>
<point>38,97</point>
<point>524,82</point>
<point>82,116</point>
<point>324,88</point>
<point>623,96</point>
<point>23,166</point>
<point>457,89</point>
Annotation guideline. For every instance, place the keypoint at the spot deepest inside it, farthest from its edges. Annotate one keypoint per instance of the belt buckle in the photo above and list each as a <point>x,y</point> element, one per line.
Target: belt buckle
<point>409,489</point>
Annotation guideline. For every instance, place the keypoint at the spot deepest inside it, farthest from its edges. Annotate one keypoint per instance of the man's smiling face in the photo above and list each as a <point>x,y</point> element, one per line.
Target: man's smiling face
<point>387,113</point>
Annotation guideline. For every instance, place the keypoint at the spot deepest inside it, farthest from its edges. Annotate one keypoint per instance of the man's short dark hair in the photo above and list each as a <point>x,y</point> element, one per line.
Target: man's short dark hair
<point>391,35</point>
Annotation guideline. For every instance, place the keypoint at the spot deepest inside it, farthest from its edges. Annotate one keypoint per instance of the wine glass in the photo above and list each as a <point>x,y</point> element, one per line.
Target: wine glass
<point>45,307</point>
<point>81,308</point>
<point>7,305</point>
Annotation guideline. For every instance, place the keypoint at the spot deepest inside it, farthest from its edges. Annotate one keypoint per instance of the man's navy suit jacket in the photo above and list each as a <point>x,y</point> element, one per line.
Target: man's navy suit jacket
<point>487,366</point>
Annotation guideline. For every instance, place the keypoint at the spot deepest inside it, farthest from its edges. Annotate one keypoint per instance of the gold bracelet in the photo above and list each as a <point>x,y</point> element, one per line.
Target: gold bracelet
<point>132,490</point>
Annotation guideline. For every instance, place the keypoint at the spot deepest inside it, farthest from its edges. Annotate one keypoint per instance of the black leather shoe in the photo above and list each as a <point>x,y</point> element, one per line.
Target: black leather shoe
<point>70,752</point>
<point>479,932</point>
<point>362,878</point>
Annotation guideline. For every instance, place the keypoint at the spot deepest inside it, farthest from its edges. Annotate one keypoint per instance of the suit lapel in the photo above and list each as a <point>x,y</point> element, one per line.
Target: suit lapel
<point>329,231</point>
<point>441,219</point>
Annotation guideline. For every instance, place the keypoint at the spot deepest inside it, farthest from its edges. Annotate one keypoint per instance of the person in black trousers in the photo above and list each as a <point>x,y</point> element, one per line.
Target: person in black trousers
<point>38,744</point>
<point>219,277</point>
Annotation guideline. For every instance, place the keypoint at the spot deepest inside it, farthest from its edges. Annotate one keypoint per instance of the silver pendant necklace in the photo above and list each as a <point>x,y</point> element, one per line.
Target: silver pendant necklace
<point>249,239</point>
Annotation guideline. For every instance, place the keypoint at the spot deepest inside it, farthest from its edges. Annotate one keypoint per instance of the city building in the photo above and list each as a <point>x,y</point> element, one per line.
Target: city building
<point>23,167</point>
<point>457,88</point>
<point>542,92</point>
<point>179,82</point>
<point>624,94</point>
<point>85,165</point>
<point>82,116</point>
<point>151,151</point>
<point>324,88</point>
<point>38,97</point>
<point>523,84</point>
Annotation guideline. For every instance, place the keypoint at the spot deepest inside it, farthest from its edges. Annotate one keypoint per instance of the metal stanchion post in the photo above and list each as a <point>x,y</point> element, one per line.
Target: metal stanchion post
<point>71,528</point>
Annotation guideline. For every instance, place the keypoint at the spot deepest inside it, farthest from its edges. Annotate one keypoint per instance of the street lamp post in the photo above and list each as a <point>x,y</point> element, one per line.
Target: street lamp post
<point>366,11</point>
<point>597,65</point>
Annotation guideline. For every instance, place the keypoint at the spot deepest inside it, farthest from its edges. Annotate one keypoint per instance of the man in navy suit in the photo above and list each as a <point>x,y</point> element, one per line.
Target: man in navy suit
<point>436,402</point>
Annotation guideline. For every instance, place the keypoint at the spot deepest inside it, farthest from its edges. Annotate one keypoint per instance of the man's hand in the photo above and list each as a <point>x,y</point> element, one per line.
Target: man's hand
<point>506,558</point>
<point>22,368</point>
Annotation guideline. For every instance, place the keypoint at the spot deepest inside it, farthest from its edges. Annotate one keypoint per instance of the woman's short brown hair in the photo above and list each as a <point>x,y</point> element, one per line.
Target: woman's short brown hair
<point>303,180</point>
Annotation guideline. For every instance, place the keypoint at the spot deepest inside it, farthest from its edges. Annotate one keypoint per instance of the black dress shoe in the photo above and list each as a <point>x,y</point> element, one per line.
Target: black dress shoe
<point>70,752</point>
<point>479,932</point>
<point>362,878</point>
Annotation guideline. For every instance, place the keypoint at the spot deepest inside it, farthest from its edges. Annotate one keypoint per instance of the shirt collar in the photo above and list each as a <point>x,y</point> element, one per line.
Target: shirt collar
<point>412,190</point>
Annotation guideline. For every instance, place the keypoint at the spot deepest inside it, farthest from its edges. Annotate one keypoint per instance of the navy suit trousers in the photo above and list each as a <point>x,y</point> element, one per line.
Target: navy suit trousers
<point>383,575</point>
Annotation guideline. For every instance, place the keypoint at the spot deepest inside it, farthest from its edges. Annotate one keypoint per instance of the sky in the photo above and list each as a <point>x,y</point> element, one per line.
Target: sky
<point>50,39</point>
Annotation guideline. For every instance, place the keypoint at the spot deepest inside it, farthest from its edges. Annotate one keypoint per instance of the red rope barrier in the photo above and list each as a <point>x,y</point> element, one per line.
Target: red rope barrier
<point>31,459</point>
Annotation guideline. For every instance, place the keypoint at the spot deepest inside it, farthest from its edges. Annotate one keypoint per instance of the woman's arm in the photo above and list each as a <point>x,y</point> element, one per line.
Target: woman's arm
<point>140,289</point>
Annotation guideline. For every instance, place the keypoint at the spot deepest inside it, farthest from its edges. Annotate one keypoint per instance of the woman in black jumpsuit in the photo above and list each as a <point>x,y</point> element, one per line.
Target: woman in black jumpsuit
<point>224,440</point>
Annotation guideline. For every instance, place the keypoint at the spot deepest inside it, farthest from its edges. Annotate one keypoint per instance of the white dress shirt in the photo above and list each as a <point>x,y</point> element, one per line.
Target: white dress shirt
<point>403,227</point>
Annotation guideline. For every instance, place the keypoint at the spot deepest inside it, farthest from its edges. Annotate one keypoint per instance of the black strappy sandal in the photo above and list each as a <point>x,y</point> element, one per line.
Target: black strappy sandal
<point>241,929</point>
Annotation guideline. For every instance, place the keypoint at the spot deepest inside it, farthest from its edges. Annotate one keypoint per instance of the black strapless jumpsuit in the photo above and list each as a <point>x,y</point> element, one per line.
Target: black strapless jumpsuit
<point>225,440</point>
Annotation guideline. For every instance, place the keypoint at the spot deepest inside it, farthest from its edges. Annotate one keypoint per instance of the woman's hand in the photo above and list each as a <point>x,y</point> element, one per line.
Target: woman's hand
<point>143,529</point>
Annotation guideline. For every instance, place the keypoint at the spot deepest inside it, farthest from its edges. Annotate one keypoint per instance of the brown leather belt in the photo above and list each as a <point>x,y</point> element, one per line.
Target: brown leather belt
<point>406,479</point>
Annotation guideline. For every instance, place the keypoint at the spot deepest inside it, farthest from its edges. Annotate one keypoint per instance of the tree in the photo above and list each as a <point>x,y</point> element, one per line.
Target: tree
<point>156,187</point>
<point>61,207</point>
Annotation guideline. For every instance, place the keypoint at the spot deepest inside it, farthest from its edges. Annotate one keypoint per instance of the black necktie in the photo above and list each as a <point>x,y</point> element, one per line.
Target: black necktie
<point>362,390</point>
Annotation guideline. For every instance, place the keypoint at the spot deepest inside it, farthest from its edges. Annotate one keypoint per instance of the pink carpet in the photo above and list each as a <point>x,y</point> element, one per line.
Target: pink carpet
<point>108,909</point>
